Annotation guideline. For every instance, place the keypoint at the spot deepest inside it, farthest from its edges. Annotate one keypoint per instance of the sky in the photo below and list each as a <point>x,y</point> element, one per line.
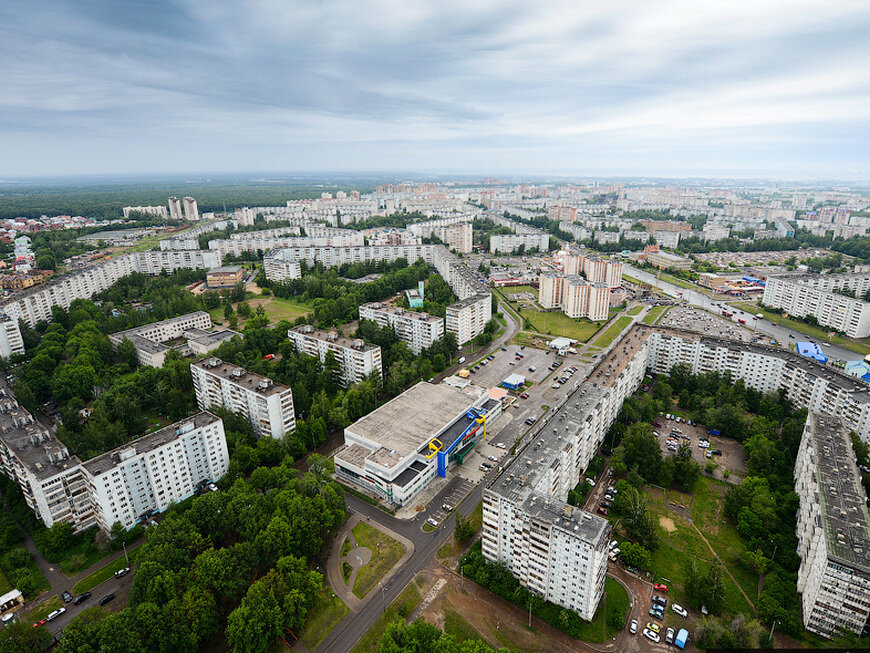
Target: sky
<point>772,88</point>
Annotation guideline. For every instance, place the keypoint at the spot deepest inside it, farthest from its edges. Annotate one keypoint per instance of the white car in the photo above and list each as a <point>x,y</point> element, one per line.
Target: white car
<point>633,628</point>
<point>651,636</point>
<point>432,522</point>
<point>680,610</point>
<point>557,385</point>
<point>54,615</point>
<point>500,445</point>
<point>669,636</point>
<point>613,545</point>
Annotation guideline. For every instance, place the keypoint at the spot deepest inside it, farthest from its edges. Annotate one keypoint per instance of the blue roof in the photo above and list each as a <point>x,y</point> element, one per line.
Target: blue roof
<point>811,350</point>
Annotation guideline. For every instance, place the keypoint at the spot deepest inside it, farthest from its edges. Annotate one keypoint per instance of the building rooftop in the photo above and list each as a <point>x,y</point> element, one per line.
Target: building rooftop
<point>240,376</point>
<point>334,337</point>
<point>407,423</point>
<point>398,310</point>
<point>468,301</point>
<point>842,501</point>
<point>148,442</point>
<point>225,269</point>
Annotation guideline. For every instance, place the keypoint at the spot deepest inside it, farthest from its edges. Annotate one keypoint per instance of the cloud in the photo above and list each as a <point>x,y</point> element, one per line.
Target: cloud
<point>434,85</point>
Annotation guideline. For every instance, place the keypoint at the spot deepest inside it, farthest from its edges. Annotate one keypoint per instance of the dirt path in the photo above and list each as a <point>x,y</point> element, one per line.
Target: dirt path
<point>724,566</point>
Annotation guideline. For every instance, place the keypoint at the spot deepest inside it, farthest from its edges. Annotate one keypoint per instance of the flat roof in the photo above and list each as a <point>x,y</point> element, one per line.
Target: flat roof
<point>842,501</point>
<point>240,376</point>
<point>333,337</point>
<point>148,442</point>
<point>406,423</point>
<point>224,269</point>
<point>420,316</point>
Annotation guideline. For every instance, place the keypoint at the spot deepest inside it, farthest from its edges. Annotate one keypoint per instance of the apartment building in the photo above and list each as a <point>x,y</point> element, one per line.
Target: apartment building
<point>509,243</point>
<point>175,209</point>
<point>551,289</point>
<point>816,295</point>
<point>356,359</point>
<point>268,406</point>
<point>833,530</point>
<point>155,262</point>
<point>155,470</point>
<point>149,338</point>
<point>666,260</point>
<point>275,263</point>
<point>155,211</point>
<point>467,318</point>
<point>594,269</point>
<point>245,217</point>
<point>562,213</point>
<point>573,295</point>
<point>419,330</point>
<point>238,246</point>
<point>191,212</point>
<point>11,341</point>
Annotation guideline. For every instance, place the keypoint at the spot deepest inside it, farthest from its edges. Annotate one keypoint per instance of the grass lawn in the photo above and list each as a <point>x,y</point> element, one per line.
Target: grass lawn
<point>635,310</point>
<point>5,585</point>
<point>79,558</point>
<point>324,616</point>
<point>559,324</point>
<point>451,548</point>
<point>458,627</point>
<point>398,610</point>
<point>104,573</point>
<point>516,290</point>
<point>636,282</point>
<point>42,611</point>
<point>653,315</point>
<point>615,600</point>
<point>819,333</point>
<point>279,308</point>
<point>613,331</point>
<point>345,547</point>
<point>384,557</point>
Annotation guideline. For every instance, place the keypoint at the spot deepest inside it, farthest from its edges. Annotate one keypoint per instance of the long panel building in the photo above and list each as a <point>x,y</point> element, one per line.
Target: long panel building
<point>815,294</point>
<point>833,531</point>
<point>356,358</point>
<point>559,552</point>
<point>419,330</point>
<point>268,406</point>
<point>149,338</point>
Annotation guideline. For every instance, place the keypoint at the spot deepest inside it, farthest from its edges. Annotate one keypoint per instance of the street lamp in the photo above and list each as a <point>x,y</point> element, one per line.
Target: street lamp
<point>383,598</point>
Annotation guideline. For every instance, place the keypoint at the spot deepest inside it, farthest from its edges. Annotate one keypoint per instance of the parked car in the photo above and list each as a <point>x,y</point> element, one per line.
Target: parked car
<point>122,572</point>
<point>654,627</point>
<point>656,613</point>
<point>66,596</point>
<point>432,522</point>
<point>613,545</point>
<point>492,458</point>
<point>447,507</point>
<point>501,445</point>
<point>633,628</point>
<point>669,635</point>
<point>107,598</point>
<point>602,510</point>
<point>525,395</point>
<point>651,636</point>
<point>37,624</point>
<point>680,610</point>
<point>660,588</point>
<point>659,599</point>
<point>81,598</point>
<point>54,615</point>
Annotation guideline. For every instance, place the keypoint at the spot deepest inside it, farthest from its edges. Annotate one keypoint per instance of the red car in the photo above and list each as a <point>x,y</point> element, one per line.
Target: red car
<point>658,424</point>
<point>524,396</point>
<point>602,510</point>
<point>39,623</point>
<point>661,588</point>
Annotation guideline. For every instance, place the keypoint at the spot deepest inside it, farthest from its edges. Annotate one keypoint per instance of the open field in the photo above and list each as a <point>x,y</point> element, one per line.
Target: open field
<point>324,616</point>
<point>654,314</point>
<point>613,331</point>
<point>819,333</point>
<point>398,610</point>
<point>386,552</point>
<point>516,290</point>
<point>559,324</point>
<point>635,310</point>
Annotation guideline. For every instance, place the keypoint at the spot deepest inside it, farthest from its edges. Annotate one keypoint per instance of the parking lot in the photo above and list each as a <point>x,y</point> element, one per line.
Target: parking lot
<point>733,457</point>
<point>694,319</point>
<point>452,499</point>
<point>505,363</point>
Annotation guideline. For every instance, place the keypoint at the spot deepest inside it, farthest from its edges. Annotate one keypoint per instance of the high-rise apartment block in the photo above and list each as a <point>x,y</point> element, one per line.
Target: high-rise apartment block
<point>11,341</point>
<point>175,209</point>
<point>268,406</point>
<point>574,296</point>
<point>820,295</point>
<point>356,358</point>
<point>154,211</point>
<point>467,318</point>
<point>245,217</point>
<point>156,470</point>
<point>593,268</point>
<point>509,243</point>
<point>191,212</point>
<point>833,531</point>
<point>419,330</point>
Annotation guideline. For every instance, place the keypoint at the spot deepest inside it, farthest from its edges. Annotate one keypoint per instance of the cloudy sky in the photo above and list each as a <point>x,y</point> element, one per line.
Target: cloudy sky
<point>720,87</point>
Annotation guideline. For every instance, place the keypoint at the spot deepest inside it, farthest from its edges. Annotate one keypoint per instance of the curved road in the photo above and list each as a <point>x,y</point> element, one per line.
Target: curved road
<point>779,333</point>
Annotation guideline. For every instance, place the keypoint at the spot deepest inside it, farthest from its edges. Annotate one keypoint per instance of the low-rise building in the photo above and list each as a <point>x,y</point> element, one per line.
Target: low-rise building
<point>268,406</point>
<point>149,338</point>
<point>666,260</point>
<point>419,330</point>
<point>225,276</point>
<point>833,530</point>
<point>356,358</point>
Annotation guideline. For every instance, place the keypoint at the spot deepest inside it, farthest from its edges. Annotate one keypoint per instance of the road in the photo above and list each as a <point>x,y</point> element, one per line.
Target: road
<point>779,333</point>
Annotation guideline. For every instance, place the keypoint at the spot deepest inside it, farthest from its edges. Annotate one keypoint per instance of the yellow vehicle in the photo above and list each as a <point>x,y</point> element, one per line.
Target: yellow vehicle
<point>464,374</point>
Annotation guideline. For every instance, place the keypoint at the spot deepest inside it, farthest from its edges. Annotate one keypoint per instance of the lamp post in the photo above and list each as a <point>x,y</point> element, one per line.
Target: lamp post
<point>126,557</point>
<point>383,598</point>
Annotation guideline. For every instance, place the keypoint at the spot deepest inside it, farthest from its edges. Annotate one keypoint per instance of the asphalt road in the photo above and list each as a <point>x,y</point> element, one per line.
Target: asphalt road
<point>779,333</point>
<point>120,587</point>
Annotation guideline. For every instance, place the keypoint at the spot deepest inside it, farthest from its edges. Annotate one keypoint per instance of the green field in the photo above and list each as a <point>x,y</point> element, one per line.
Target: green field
<point>516,290</point>
<point>43,610</point>
<point>613,331</point>
<point>324,616</point>
<point>615,601</point>
<point>104,573</point>
<point>386,552</point>
<point>456,626</point>
<point>819,333</point>
<point>635,310</point>
<point>636,282</point>
<point>398,610</point>
<point>654,314</point>
<point>559,324</point>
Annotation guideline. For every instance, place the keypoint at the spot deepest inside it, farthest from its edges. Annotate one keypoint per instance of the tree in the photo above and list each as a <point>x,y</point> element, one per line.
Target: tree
<point>686,469</point>
<point>464,530</point>
<point>642,450</point>
<point>635,555</point>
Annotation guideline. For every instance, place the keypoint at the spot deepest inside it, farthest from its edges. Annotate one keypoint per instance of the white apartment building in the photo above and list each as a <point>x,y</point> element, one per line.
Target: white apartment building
<point>595,269</point>
<point>551,289</point>
<point>509,243</point>
<point>814,295</point>
<point>268,406</point>
<point>275,262</point>
<point>11,341</point>
<point>833,530</point>
<point>467,318</point>
<point>574,296</point>
<point>669,239</point>
<point>175,209</point>
<point>245,217</point>
<point>237,246</point>
<point>156,211</point>
<point>191,212</point>
<point>356,359</point>
<point>148,338</point>
<point>155,262</point>
<point>156,470</point>
<point>419,330</point>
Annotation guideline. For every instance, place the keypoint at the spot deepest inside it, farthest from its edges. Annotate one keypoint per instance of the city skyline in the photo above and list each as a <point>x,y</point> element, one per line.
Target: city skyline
<point>730,89</point>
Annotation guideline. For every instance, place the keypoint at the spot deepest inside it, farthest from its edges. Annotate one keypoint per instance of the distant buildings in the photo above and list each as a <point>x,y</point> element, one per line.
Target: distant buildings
<point>356,359</point>
<point>419,330</point>
<point>175,209</point>
<point>155,211</point>
<point>455,232</point>
<point>191,212</point>
<point>245,217</point>
<point>509,243</point>
<point>268,406</point>
<point>803,295</point>
<point>665,260</point>
<point>833,531</point>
